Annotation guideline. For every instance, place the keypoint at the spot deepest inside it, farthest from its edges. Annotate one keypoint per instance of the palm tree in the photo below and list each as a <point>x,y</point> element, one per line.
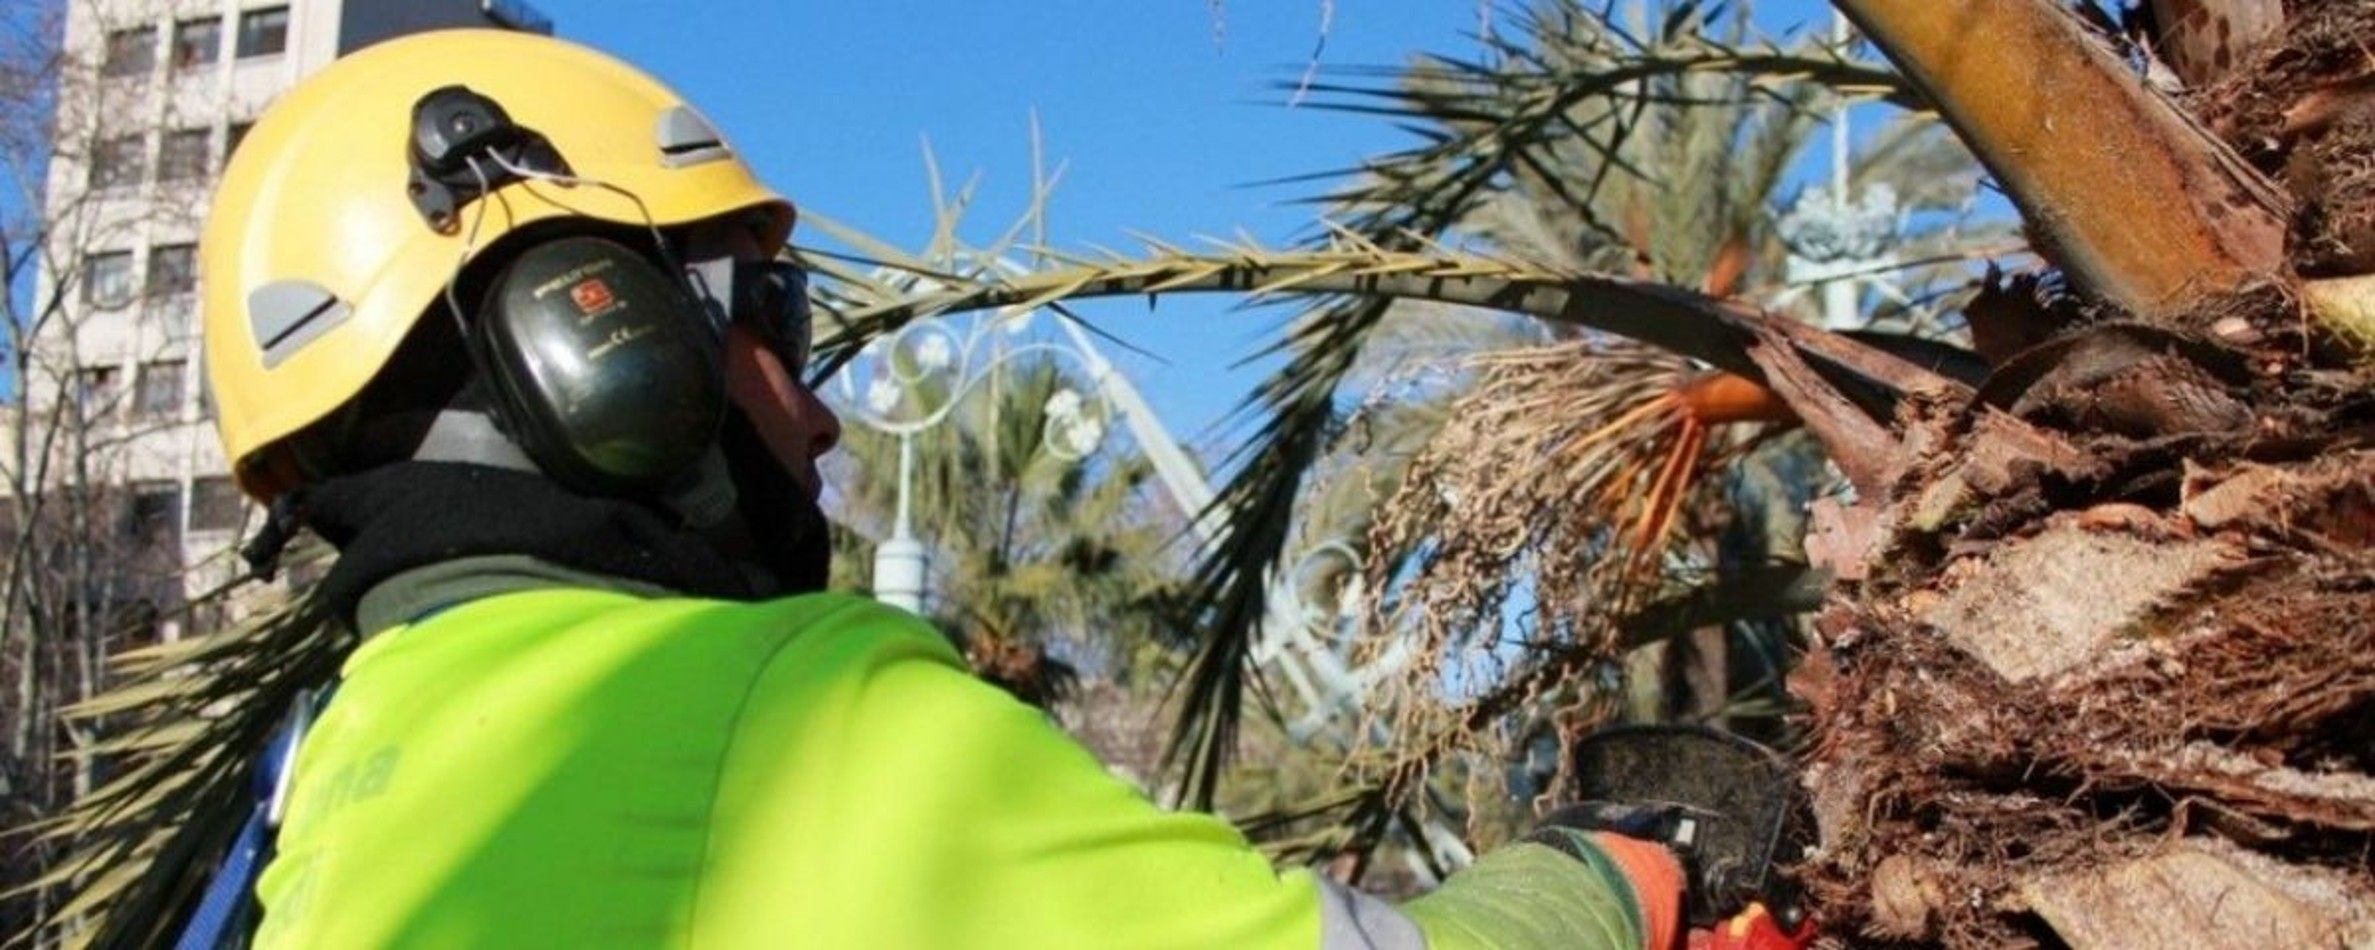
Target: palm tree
<point>1999,734</point>
<point>1994,733</point>
<point>1550,527</point>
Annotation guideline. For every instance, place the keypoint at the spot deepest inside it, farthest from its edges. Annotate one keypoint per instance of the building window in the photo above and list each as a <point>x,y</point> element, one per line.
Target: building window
<point>172,269</point>
<point>215,505</point>
<point>150,519</point>
<point>182,156</point>
<point>236,134</point>
<point>107,279</point>
<point>263,32</point>
<point>130,52</point>
<point>157,391</point>
<point>94,387</point>
<point>197,42</point>
<point>117,162</point>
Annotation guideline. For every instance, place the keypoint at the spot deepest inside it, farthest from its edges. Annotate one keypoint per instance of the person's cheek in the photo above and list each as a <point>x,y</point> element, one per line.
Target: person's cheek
<point>789,420</point>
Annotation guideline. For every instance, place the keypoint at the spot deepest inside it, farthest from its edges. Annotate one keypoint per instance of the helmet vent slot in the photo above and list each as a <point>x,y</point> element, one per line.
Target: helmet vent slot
<point>686,138</point>
<point>287,314</point>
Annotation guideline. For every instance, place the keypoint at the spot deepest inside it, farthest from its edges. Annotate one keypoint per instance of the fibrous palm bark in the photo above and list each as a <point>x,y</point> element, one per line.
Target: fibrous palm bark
<point>2107,670</point>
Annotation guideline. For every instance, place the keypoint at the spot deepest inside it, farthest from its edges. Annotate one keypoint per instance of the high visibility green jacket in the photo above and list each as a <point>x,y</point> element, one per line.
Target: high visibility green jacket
<point>581,768</point>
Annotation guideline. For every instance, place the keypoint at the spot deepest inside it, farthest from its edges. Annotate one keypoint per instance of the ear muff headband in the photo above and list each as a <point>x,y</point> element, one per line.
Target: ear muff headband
<point>604,370</point>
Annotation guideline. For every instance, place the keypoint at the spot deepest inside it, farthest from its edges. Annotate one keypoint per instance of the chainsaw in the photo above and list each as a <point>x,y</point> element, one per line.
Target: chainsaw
<point>1727,807</point>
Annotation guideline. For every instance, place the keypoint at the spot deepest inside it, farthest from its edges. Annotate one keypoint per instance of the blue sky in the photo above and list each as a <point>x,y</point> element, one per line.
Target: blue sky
<point>1166,113</point>
<point>1165,126</point>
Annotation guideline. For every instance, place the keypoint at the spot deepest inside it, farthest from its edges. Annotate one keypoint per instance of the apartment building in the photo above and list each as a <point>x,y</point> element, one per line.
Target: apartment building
<point>157,95</point>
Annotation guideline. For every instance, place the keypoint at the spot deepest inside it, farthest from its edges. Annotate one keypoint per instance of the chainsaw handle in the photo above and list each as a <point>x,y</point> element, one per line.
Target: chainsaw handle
<point>1753,929</point>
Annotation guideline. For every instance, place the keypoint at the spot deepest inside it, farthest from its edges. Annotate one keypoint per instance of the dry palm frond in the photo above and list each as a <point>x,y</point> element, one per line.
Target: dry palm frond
<point>1608,438</point>
<point>1351,272</point>
<point>1536,524</point>
<point>186,722</point>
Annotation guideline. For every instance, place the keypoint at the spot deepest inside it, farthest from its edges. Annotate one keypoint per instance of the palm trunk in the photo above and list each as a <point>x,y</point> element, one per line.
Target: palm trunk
<point>2137,202</point>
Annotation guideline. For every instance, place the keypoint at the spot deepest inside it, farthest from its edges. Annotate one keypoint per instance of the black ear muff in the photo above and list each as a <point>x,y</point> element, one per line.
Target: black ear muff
<point>604,369</point>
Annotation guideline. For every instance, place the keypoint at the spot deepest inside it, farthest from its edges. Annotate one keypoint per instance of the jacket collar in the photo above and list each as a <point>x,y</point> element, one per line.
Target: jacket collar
<point>411,595</point>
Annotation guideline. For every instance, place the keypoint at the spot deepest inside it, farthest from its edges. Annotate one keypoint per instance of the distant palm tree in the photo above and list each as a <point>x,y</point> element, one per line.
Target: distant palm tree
<point>1068,562</point>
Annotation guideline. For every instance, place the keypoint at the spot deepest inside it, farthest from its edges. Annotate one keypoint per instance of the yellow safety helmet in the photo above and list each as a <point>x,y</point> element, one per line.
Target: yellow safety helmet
<point>318,258</point>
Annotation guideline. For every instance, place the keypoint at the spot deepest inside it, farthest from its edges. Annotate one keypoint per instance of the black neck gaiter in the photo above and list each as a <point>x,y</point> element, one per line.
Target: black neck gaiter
<point>406,515</point>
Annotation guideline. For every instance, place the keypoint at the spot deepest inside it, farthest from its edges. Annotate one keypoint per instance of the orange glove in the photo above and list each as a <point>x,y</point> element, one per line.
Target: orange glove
<point>1657,881</point>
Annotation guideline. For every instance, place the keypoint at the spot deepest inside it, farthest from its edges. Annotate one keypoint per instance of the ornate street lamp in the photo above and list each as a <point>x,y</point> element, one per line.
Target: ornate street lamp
<point>906,383</point>
<point>1841,240</point>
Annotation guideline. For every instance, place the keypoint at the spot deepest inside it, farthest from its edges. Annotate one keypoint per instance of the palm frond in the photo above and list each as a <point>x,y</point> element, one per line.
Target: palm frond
<point>186,723</point>
<point>1533,524</point>
<point>1711,330</point>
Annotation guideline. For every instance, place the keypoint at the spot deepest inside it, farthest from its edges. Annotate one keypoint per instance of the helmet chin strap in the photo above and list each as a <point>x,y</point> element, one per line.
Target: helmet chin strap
<point>704,496</point>
<point>462,435</point>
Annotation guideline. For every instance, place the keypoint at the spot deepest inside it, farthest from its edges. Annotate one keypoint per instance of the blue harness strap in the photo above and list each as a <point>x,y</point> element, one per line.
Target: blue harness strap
<point>211,926</point>
<point>226,915</point>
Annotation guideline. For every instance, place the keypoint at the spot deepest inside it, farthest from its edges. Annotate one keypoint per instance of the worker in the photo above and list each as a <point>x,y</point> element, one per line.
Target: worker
<point>510,325</point>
